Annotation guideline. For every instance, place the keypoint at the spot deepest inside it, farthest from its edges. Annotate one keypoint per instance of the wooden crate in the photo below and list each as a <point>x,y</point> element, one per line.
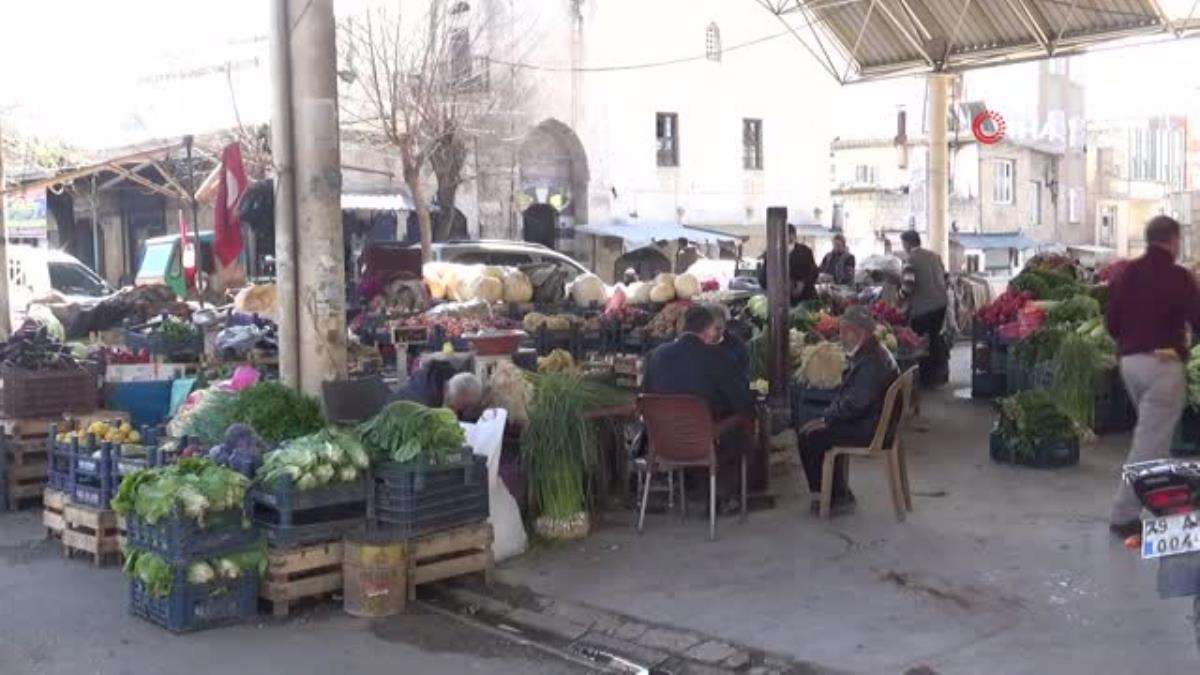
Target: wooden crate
<point>53,502</point>
<point>451,553</point>
<point>91,531</point>
<point>311,572</point>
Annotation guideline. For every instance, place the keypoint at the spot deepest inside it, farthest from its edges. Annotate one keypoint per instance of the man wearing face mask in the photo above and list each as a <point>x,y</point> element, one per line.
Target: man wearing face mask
<point>850,419</point>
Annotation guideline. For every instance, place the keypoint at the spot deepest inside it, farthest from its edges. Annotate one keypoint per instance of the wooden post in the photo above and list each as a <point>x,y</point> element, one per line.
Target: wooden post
<point>779,299</point>
<point>5,319</point>
<point>285,202</point>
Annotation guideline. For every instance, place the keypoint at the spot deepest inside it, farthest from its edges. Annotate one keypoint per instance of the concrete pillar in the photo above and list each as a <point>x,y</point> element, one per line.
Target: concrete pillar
<point>285,204</point>
<point>938,200</point>
<point>779,300</point>
<point>5,321</point>
<point>319,260</point>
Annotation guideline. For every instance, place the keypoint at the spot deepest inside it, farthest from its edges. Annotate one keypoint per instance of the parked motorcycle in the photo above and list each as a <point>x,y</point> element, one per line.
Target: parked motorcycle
<point>1170,490</point>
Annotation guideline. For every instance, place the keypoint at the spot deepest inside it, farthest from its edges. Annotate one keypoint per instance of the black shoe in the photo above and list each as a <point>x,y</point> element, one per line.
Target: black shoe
<point>1126,530</point>
<point>843,507</point>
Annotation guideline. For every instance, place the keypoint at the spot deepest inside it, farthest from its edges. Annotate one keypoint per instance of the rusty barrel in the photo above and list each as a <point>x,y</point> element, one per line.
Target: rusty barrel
<point>375,577</point>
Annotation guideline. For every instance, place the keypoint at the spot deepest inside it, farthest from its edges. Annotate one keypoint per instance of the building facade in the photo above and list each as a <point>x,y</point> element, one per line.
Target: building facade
<point>1137,169</point>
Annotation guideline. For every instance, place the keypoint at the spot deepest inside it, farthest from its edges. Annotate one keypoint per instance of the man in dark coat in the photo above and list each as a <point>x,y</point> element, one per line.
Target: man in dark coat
<point>694,364</point>
<point>839,263</point>
<point>802,269</point>
<point>851,418</point>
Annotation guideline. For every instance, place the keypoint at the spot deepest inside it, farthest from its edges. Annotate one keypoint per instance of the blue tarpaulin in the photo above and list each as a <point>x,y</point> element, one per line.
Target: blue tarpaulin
<point>992,241</point>
<point>644,233</point>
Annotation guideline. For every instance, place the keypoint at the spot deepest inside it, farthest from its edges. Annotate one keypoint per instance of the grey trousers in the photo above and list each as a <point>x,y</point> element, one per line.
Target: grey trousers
<point>1158,389</point>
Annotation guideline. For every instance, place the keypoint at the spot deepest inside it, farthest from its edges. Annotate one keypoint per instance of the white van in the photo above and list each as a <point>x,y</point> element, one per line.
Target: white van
<point>36,272</point>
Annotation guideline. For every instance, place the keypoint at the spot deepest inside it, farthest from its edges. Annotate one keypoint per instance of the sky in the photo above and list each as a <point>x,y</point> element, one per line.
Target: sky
<point>127,71</point>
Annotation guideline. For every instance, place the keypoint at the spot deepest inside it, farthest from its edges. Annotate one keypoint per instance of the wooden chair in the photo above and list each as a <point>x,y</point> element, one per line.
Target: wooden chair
<point>682,434</point>
<point>893,418</point>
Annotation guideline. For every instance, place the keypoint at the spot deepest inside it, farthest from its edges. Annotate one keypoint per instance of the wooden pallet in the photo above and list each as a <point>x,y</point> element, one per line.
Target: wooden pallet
<point>301,574</point>
<point>452,553</point>
<point>92,531</point>
<point>53,502</point>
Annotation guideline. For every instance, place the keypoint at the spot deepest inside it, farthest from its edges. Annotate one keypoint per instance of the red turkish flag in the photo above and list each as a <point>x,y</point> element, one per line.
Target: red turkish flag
<point>231,185</point>
<point>187,250</point>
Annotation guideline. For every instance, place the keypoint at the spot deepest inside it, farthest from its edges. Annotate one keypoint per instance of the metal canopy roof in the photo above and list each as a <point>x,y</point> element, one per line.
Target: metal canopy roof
<point>869,39</point>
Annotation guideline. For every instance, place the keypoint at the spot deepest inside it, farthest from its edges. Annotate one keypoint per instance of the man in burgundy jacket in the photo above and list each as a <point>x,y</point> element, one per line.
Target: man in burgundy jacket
<point>1150,305</point>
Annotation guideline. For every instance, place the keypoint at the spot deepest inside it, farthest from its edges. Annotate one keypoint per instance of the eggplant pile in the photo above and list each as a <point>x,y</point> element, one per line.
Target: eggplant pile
<point>32,348</point>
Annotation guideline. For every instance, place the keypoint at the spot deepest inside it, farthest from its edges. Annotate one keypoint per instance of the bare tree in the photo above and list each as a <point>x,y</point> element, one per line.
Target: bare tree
<point>424,80</point>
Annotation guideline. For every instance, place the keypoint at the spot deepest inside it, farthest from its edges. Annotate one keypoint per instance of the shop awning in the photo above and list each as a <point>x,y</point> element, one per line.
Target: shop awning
<point>857,40</point>
<point>993,241</point>
<point>395,201</point>
<point>644,233</point>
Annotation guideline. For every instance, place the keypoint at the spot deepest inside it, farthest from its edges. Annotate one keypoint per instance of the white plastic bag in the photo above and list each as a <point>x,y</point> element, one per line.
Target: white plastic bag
<point>486,437</point>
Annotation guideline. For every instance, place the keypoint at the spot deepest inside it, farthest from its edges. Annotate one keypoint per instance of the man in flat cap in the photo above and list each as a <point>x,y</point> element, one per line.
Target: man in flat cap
<point>850,419</point>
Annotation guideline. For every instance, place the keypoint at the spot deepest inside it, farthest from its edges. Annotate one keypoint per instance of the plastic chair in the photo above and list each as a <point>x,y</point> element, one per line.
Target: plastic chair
<point>683,435</point>
<point>353,401</point>
<point>893,418</point>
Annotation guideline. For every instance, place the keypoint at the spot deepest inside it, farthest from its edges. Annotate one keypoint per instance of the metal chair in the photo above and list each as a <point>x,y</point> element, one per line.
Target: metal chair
<point>682,435</point>
<point>892,419</point>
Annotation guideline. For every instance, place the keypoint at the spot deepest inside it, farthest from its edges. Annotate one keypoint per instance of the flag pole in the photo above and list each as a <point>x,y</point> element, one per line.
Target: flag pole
<point>196,244</point>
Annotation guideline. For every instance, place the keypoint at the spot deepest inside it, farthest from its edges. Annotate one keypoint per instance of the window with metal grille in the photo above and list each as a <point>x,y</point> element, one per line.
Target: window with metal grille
<point>1003,174</point>
<point>712,43</point>
<point>752,150</point>
<point>864,174</point>
<point>666,131</point>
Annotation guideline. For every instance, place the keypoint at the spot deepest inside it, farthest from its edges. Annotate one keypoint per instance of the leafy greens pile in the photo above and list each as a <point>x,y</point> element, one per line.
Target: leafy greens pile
<point>275,412</point>
<point>1193,377</point>
<point>330,455</point>
<point>1045,284</point>
<point>194,487</point>
<point>405,431</point>
<point>159,577</point>
<point>1032,418</point>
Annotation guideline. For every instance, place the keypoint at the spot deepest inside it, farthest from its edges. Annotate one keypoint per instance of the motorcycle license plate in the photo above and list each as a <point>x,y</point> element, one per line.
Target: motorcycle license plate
<point>1171,535</point>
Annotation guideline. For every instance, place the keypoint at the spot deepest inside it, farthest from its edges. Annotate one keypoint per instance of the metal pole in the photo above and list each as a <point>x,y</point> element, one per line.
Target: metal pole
<point>321,271</point>
<point>285,204</point>
<point>199,250</point>
<point>939,160</point>
<point>95,228</point>
<point>5,319</point>
<point>779,300</point>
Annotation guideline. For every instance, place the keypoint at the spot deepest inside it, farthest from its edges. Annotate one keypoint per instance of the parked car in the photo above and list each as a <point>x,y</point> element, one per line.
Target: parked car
<point>504,252</point>
<point>35,273</point>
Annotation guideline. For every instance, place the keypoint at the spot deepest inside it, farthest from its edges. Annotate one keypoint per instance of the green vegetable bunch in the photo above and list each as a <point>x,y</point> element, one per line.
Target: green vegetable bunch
<point>405,431</point>
<point>1193,377</point>
<point>159,577</point>
<point>558,446</point>
<point>1032,418</point>
<point>277,413</point>
<point>1074,309</point>
<point>212,417</point>
<point>193,487</point>
<point>1047,284</point>
<point>330,455</point>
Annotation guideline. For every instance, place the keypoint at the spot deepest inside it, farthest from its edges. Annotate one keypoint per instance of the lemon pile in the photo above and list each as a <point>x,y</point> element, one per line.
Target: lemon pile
<point>104,433</point>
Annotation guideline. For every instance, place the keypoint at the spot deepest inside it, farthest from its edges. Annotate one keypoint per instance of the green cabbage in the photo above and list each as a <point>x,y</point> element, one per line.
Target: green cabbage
<point>193,486</point>
<point>324,473</point>
<point>347,474</point>
<point>200,572</point>
<point>228,569</point>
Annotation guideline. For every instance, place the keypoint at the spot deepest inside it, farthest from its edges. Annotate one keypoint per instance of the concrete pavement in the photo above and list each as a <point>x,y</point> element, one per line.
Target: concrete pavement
<point>999,570</point>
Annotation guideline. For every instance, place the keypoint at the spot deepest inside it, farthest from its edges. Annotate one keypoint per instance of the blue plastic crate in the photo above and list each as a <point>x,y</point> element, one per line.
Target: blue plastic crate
<point>148,403</point>
<point>1051,454</point>
<point>284,497</point>
<point>178,539</point>
<point>191,607</point>
<point>410,501</point>
<point>292,517</point>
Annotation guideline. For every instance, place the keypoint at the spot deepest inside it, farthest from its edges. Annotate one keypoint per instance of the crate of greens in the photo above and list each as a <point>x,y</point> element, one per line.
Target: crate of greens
<point>40,377</point>
<point>425,478</point>
<point>218,589</point>
<point>1033,430</point>
<point>185,510</point>
<point>311,489</point>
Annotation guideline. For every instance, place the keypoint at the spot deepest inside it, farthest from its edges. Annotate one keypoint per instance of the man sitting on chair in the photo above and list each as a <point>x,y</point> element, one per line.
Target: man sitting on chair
<point>694,364</point>
<point>852,416</point>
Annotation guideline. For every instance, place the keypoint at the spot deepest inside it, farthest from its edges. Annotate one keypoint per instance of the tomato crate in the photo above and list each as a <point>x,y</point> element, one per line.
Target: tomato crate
<point>178,539</point>
<point>191,607</point>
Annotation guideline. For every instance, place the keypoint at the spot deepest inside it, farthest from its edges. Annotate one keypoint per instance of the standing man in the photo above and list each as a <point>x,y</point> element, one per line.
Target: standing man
<point>839,263</point>
<point>802,269</point>
<point>685,255</point>
<point>1150,304</point>
<point>924,290</point>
